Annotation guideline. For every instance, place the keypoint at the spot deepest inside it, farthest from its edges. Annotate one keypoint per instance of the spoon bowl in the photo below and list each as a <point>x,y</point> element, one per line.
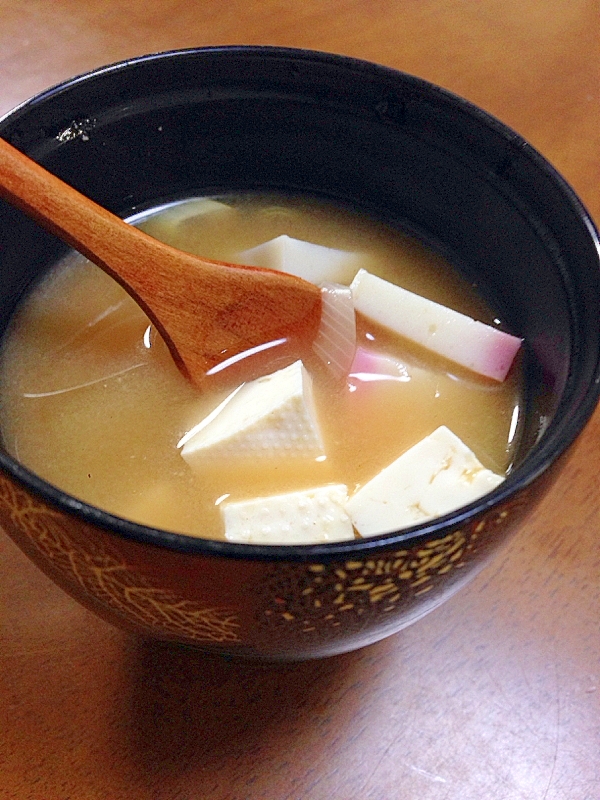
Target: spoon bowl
<point>208,312</point>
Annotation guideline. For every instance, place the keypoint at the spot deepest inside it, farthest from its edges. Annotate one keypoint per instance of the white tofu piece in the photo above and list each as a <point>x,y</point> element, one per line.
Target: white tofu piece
<point>273,416</point>
<point>433,478</point>
<point>473,344</point>
<point>313,262</point>
<point>312,516</point>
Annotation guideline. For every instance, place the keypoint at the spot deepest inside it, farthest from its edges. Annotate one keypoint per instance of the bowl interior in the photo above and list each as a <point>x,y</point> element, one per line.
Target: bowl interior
<point>176,125</point>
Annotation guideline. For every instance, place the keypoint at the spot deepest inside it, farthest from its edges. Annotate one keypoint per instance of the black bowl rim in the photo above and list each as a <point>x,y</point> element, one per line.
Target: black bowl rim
<point>555,441</point>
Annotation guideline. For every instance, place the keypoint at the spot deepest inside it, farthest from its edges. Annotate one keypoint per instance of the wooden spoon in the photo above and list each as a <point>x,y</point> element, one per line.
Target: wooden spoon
<point>207,311</point>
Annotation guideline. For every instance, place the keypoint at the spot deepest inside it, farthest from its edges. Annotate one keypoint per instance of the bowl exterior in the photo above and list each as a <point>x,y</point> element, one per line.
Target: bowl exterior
<point>215,120</point>
<point>268,610</point>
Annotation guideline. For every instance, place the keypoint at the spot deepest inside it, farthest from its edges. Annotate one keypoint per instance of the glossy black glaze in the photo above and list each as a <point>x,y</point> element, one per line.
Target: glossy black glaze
<point>224,119</point>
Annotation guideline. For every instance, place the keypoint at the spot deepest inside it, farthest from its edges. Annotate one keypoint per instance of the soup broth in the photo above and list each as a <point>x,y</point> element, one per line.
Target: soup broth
<point>91,401</point>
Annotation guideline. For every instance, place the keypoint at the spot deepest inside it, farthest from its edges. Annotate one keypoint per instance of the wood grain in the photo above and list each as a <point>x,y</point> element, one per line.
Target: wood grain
<point>494,696</point>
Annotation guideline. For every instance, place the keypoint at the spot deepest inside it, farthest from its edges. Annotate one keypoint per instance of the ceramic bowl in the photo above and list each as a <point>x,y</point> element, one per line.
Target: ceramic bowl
<point>172,125</point>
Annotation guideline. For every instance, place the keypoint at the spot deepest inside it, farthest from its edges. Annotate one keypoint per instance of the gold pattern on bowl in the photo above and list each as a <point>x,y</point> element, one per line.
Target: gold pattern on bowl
<point>86,562</point>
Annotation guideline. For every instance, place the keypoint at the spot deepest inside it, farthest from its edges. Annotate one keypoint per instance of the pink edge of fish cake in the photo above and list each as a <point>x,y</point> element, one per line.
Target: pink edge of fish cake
<point>496,354</point>
<point>455,336</point>
<point>369,362</point>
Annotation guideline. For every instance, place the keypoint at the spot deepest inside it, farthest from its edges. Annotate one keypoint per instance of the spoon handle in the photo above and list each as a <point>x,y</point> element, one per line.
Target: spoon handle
<point>89,228</point>
<point>206,311</point>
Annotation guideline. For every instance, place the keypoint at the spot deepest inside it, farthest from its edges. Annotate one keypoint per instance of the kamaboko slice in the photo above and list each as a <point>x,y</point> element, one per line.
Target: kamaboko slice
<point>466,341</point>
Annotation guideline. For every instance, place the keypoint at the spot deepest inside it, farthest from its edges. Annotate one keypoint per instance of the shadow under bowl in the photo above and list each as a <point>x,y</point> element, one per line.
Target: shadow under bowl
<point>207,121</point>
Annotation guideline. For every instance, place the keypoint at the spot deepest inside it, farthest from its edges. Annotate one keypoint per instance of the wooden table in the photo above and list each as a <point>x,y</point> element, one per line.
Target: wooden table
<point>495,696</point>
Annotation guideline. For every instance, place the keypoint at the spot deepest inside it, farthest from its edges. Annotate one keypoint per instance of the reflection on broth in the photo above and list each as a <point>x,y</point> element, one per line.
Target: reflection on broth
<point>92,402</point>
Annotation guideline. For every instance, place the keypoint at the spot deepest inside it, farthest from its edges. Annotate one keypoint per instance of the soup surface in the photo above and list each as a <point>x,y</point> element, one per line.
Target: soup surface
<point>91,401</point>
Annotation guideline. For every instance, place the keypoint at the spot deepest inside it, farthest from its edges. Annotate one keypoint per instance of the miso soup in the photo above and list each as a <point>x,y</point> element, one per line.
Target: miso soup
<point>91,401</point>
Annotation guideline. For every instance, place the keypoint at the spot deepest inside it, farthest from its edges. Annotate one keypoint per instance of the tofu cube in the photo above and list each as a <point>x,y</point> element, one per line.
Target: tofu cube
<point>466,341</point>
<point>271,417</point>
<point>313,262</point>
<point>312,516</point>
<point>433,478</point>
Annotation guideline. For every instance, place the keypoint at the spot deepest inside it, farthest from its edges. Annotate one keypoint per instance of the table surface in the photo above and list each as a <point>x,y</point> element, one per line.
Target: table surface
<point>494,696</point>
